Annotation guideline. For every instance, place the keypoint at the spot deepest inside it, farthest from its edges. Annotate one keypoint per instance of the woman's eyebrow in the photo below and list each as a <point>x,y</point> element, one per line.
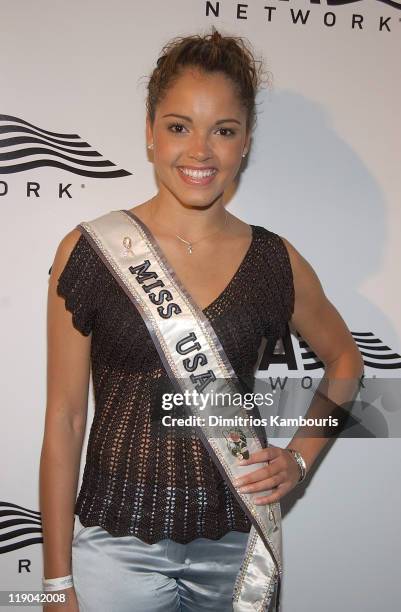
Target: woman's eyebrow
<point>231,120</point>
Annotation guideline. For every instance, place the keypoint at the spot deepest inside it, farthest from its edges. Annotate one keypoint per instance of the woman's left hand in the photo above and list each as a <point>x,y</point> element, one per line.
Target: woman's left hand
<point>281,474</point>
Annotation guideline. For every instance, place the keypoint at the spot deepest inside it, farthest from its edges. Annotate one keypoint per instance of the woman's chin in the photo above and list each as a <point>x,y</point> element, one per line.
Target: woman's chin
<point>199,197</point>
<point>197,200</point>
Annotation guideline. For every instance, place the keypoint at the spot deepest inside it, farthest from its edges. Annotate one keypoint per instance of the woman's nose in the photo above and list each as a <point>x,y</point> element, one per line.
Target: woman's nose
<point>200,149</point>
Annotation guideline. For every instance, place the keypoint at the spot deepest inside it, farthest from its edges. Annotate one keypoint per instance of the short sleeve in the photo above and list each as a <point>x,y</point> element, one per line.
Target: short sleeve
<point>77,285</point>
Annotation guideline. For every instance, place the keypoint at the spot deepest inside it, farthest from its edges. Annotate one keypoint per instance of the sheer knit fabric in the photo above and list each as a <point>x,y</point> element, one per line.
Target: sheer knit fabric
<point>141,478</point>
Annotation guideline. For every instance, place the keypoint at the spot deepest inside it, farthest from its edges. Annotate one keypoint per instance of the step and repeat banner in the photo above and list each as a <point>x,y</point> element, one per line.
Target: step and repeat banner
<point>323,171</point>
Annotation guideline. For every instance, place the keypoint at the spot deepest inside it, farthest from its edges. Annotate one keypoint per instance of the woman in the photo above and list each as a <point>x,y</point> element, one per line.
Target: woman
<point>163,522</point>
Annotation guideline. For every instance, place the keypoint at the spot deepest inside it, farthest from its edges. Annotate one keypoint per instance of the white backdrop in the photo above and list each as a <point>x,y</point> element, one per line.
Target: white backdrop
<point>323,171</point>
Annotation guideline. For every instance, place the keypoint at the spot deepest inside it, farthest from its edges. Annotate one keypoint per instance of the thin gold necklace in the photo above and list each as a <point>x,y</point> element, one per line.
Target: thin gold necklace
<point>187,242</point>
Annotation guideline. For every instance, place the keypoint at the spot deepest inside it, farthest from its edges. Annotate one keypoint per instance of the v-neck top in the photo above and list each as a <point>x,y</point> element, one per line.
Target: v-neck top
<point>172,272</point>
<point>142,478</point>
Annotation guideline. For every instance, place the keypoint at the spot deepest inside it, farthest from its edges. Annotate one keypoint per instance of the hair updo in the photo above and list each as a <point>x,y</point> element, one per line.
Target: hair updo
<point>209,53</point>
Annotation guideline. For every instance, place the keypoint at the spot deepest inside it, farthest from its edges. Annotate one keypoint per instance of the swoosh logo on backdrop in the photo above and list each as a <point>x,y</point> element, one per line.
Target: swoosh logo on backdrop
<point>19,527</point>
<point>375,353</point>
<point>24,146</point>
<point>393,3</point>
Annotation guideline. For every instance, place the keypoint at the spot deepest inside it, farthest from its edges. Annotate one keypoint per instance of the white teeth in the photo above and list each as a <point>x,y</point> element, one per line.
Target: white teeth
<point>198,174</point>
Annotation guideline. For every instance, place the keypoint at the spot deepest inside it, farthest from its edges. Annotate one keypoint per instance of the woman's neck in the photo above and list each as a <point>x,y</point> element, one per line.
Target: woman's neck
<point>191,221</point>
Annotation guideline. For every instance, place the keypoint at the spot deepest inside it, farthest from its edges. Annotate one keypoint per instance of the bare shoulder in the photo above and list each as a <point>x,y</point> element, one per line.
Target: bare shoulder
<point>69,241</point>
<point>63,252</point>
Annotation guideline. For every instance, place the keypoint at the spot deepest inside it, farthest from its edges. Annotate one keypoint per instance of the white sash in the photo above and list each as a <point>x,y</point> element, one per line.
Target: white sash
<point>194,360</point>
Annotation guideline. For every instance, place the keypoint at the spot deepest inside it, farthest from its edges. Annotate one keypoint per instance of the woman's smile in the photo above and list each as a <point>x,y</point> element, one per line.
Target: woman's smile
<point>196,176</point>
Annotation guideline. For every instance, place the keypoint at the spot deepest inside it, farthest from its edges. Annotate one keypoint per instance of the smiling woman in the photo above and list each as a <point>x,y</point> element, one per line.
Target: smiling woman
<point>176,294</point>
<point>201,149</point>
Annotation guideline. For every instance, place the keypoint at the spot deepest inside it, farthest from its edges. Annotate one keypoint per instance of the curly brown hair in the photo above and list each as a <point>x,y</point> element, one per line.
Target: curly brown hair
<point>231,55</point>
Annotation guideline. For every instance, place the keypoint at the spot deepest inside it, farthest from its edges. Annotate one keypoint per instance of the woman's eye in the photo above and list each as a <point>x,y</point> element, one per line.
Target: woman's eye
<point>229,131</point>
<point>176,125</point>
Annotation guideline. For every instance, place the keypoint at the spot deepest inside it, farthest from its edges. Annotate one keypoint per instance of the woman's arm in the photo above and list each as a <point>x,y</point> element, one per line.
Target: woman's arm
<point>68,369</point>
<point>323,328</point>
<point>320,324</point>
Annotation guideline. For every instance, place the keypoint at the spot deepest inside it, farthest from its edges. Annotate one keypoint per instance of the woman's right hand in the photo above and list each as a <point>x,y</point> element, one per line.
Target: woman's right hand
<point>70,606</point>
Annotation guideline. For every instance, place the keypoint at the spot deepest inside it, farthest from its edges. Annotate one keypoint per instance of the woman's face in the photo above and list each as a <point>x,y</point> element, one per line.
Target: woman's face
<point>199,135</point>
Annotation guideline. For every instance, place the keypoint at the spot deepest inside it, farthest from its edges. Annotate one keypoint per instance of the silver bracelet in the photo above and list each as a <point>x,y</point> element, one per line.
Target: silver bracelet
<point>301,463</point>
<point>57,584</point>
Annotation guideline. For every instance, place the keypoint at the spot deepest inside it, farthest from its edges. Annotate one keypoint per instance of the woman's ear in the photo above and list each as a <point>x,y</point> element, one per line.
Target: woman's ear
<point>149,131</point>
<point>248,140</point>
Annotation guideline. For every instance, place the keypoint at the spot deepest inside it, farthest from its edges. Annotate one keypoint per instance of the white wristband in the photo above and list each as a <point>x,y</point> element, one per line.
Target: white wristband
<point>57,584</point>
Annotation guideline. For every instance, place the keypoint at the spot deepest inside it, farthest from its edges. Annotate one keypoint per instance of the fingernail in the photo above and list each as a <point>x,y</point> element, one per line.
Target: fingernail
<point>237,482</point>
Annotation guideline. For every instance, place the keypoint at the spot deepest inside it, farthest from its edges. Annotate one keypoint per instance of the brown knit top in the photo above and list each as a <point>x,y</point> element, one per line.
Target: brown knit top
<point>139,480</point>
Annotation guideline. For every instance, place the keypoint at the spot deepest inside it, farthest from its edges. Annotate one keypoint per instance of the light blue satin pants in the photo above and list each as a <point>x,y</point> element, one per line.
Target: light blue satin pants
<point>125,574</point>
